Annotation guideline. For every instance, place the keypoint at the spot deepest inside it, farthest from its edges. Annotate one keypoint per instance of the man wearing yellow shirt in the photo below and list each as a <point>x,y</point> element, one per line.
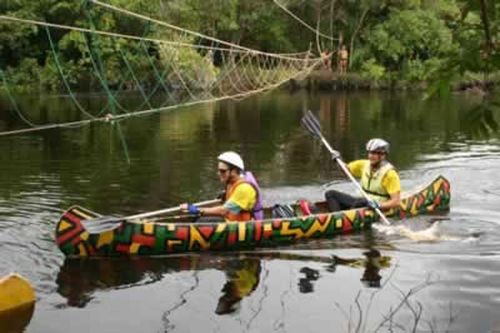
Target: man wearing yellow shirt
<point>242,201</point>
<point>378,178</point>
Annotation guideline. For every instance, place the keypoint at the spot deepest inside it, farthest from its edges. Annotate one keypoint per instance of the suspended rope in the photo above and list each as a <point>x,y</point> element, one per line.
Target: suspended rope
<point>63,77</point>
<point>13,101</point>
<point>118,35</point>
<point>176,28</point>
<point>100,72</point>
<point>188,69</point>
<point>131,71</point>
<point>98,66</point>
<point>298,19</point>
<point>159,77</point>
<point>109,118</point>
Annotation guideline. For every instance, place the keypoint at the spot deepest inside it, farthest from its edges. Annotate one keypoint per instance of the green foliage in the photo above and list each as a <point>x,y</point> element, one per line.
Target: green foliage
<point>477,30</point>
<point>25,75</point>
<point>409,38</point>
<point>208,17</point>
<point>418,70</point>
<point>373,71</point>
<point>199,69</point>
<point>482,121</point>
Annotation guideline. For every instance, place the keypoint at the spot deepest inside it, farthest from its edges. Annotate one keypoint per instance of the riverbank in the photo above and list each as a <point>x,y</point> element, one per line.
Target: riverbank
<point>324,80</point>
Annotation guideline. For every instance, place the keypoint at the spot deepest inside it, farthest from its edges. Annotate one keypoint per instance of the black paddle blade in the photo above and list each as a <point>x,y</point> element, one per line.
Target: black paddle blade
<point>311,124</point>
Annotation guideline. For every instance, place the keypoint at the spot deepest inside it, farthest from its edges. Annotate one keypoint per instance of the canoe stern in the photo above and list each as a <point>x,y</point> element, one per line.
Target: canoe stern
<point>71,236</point>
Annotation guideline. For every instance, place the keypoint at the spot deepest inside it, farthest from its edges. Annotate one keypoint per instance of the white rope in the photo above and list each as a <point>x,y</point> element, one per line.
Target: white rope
<point>303,23</point>
<point>197,34</point>
<point>241,77</point>
<point>110,117</point>
<point>137,38</point>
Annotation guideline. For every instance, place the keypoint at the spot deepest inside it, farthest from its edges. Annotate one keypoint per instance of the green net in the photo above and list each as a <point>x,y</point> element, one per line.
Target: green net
<point>167,66</point>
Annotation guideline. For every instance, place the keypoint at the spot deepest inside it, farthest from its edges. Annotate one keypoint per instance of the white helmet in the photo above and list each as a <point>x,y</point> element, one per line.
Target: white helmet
<point>377,145</point>
<point>232,158</point>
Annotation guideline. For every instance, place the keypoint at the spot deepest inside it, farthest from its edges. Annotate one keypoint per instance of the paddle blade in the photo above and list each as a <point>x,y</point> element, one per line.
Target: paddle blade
<point>102,224</point>
<point>314,121</point>
<point>311,124</point>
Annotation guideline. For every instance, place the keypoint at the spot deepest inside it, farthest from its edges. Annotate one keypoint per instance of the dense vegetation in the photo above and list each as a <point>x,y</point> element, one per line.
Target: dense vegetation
<point>413,40</point>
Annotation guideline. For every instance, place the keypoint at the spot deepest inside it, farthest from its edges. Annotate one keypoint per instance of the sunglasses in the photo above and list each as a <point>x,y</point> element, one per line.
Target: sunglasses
<point>376,152</point>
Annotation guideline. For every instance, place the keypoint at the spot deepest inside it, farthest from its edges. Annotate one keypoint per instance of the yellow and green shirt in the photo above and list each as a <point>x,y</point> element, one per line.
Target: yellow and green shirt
<point>243,198</point>
<point>390,181</point>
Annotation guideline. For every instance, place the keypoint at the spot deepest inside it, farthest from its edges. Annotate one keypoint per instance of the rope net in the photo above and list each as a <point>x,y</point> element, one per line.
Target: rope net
<point>168,66</point>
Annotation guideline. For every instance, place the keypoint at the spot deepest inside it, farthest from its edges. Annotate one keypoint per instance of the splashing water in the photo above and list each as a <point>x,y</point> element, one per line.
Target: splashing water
<point>431,234</point>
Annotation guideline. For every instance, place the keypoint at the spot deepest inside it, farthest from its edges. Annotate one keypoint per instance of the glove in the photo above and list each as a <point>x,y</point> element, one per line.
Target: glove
<point>192,209</point>
<point>335,155</point>
<point>373,205</point>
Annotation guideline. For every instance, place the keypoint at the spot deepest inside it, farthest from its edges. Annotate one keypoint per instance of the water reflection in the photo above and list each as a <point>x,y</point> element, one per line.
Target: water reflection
<point>372,263</point>
<point>334,115</point>
<point>173,159</point>
<point>79,279</point>
<point>243,277</point>
<point>306,283</point>
<point>167,149</point>
<point>480,122</point>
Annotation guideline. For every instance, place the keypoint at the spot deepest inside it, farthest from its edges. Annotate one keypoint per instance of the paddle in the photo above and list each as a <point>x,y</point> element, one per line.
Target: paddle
<point>312,125</point>
<point>106,223</point>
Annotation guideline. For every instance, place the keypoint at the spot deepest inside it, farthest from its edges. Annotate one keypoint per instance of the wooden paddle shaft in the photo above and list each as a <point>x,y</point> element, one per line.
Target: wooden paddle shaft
<point>169,210</point>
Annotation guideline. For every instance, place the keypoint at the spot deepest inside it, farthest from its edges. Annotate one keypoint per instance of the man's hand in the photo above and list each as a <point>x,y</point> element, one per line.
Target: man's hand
<point>190,208</point>
<point>373,205</point>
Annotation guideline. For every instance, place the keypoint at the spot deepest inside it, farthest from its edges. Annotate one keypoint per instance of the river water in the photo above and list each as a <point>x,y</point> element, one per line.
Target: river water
<point>375,281</point>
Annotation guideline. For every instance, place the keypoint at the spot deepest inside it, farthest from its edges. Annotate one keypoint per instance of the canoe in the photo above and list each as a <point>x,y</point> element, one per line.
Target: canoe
<point>148,237</point>
<point>17,300</point>
<point>15,291</point>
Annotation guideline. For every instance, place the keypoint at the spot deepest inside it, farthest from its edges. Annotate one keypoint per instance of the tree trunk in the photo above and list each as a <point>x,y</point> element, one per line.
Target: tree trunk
<point>332,7</point>
<point>318,25</point>
<point>486,26</point>
<point>353,37</point>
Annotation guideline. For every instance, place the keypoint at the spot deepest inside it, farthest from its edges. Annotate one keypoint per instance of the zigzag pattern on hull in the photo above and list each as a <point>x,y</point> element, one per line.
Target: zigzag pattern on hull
<point>149,238</point>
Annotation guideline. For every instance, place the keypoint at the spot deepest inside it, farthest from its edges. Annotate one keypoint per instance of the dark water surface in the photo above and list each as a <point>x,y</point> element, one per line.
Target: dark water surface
<point>365,282</point>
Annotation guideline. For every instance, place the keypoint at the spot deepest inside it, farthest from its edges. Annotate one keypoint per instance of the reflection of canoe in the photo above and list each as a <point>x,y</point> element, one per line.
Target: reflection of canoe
<point>154,238</point>
<point>17,299</point>
<point>78,279</point>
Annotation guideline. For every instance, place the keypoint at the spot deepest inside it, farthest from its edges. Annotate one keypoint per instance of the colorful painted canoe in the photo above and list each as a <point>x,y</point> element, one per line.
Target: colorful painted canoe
<point>155,238</point>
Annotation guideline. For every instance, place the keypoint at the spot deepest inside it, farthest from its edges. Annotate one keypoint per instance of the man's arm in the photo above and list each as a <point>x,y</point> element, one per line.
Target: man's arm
<point>243,198</point>
<point>393,186</point>
<point>356,167</point>
<point>214,211</point>
<point>393,202</point>
<point>220,210</point>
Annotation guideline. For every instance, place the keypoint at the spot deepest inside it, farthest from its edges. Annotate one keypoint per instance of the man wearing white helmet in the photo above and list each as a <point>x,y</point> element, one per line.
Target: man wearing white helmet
<point>242,201</point>
<point>378,177</point>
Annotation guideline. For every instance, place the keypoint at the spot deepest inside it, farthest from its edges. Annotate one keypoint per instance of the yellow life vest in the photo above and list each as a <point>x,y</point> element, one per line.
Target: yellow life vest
<point>372,181</point>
